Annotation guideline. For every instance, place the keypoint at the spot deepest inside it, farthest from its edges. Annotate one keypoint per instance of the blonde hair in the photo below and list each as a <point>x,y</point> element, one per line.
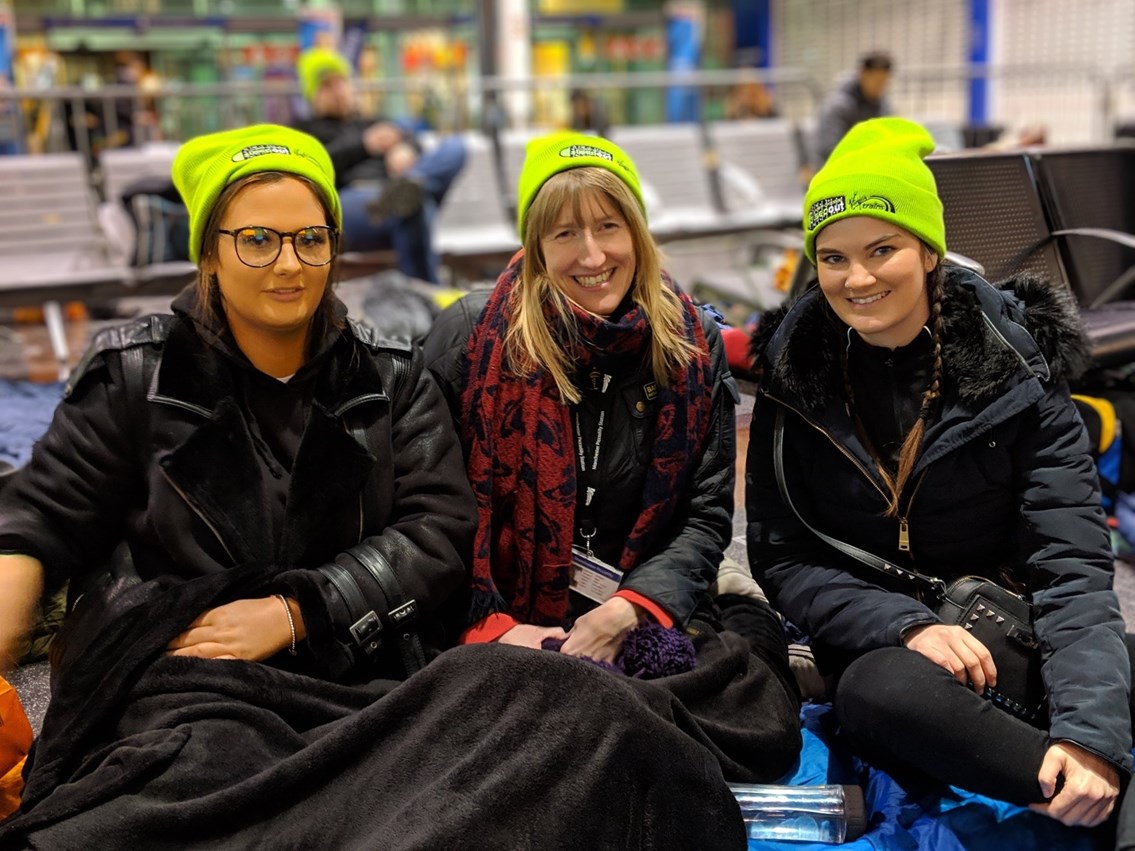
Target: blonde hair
<point>208,288</point>
<point>530,341</point>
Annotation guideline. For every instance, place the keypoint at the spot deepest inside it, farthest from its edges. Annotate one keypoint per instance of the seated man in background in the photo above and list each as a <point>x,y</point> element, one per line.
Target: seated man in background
<point>389,186</point>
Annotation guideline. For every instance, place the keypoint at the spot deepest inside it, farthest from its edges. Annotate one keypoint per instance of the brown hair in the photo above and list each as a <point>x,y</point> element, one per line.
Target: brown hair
<point>912,443</point>
<point>530,341</point>
<point>209,292</point>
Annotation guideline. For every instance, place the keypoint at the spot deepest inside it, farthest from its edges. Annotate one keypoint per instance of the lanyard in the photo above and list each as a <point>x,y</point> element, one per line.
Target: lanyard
<point>588,467</point>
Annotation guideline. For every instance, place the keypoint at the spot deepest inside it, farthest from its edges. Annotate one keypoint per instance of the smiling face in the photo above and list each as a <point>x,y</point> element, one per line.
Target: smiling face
<point>589,253</point>
<point>873,274</point>
<point>277,301</point>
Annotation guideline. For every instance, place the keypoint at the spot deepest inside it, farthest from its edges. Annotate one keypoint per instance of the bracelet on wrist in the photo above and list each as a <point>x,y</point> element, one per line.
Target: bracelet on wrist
<point>291,621</point>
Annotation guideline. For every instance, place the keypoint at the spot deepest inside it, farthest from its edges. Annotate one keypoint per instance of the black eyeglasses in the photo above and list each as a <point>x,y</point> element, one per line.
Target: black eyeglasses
<point>259,246</point>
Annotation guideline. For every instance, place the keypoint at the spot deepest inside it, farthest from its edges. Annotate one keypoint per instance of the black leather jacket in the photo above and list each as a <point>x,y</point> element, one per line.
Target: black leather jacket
<point>152,446</point>
<point>685,562</point>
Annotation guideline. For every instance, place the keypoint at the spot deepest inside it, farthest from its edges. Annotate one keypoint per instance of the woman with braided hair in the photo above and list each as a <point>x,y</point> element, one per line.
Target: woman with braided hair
<point>921,414</point>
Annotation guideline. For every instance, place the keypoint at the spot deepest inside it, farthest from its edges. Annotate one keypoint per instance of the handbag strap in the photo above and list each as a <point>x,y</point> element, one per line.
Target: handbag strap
<point>869,559</point>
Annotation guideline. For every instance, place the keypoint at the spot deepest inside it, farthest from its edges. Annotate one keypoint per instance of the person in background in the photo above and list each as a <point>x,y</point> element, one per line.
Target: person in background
<point>749,99</point>
<point>588,113</point>
<point>389,186</point>
<point>856,97</point>
<point>925,418</point>
<point>137,116</point>
<point>597,415</point>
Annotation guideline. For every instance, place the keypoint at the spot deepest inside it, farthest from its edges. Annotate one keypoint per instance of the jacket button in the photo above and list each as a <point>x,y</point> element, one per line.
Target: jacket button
<point>993,444</point>
<point>640,406</point>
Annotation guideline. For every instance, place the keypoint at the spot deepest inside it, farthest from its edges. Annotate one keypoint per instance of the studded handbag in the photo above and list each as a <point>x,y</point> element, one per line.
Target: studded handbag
<point>1000,619</point>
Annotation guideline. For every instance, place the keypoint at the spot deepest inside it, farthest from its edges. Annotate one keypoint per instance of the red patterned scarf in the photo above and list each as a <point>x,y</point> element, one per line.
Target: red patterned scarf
<point>518,439</point>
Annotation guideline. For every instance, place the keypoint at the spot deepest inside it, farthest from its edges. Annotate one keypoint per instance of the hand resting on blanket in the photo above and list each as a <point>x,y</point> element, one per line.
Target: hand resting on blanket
<point>530,635</point>
<point>599,634</point>
<point>243,629</point>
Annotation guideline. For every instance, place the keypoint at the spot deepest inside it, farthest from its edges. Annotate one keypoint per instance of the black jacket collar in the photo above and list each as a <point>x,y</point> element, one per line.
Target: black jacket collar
<point>213,463</point>
<point>197,361</point>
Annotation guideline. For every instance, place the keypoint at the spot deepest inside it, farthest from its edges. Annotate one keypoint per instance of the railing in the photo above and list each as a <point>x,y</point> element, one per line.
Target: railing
<point>1075,105</point>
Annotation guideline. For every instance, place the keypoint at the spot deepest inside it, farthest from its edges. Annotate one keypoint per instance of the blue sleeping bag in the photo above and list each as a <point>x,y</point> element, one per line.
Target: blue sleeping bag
<point>898,821</point>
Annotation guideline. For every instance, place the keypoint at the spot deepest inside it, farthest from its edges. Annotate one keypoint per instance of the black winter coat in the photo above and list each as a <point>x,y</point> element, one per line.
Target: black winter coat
<point>843,108</point>
<point>677,575</point>
<point>343,139</point>
<point>151,446</point>
<point>1005,479</point>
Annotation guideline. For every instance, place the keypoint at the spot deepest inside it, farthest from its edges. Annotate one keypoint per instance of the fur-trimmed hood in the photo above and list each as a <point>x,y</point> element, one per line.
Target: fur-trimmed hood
<point>991,333</point>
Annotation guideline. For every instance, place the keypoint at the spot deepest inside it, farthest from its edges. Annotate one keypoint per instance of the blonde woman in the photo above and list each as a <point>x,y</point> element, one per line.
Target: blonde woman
<point>597,415</point>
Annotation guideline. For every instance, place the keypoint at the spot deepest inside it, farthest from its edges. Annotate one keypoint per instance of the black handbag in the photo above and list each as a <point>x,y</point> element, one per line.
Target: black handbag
<point>1002,621</point>
<point>998,618</point>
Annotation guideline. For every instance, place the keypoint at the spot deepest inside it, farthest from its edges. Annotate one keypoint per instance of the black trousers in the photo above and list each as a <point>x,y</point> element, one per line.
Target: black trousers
<point>911,718</point>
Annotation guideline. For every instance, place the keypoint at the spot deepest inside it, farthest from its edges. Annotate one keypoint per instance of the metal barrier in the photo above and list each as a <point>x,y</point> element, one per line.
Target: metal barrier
<point>1078,105</point>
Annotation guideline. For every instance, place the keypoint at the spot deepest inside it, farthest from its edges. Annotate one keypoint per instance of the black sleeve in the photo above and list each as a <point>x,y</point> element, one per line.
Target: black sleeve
<point>444,348</point>
<point>1063,539</point>
<point>343,141</point>
<point>67,506</point>
<point>837,115</point>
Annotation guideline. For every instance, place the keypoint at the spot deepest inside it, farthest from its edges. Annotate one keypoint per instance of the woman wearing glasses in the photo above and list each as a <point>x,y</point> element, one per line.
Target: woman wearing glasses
<point>243,428</point>
<point>283,504</point>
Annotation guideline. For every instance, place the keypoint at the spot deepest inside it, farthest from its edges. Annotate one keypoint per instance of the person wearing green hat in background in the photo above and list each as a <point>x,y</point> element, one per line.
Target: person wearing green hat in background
<point>926,419</point>
<point>597,415</point>
<point>389,186</point>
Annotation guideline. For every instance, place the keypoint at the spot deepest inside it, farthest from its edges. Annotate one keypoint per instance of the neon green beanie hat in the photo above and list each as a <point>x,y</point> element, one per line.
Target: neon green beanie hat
<point>877,170</point>
<point>547,156</point>
<point>316,63</point>
<point>204,166</point>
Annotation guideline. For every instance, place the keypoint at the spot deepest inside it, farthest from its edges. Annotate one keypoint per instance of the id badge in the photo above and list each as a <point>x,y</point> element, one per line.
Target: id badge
<point>594,579</point>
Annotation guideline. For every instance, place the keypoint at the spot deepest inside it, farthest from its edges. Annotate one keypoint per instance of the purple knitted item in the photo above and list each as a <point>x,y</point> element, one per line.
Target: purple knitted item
<point>649,651</point>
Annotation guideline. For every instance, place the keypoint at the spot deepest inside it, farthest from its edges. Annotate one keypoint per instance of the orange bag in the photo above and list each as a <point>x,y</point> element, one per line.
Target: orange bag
<point>15,741</point>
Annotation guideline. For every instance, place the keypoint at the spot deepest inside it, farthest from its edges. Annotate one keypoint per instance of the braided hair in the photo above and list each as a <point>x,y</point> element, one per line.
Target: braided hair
<point>912,443</point>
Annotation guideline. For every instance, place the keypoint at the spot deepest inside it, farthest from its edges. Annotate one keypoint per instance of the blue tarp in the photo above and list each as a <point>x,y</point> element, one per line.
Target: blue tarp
<point>955,821</point>
<point>25,412</point>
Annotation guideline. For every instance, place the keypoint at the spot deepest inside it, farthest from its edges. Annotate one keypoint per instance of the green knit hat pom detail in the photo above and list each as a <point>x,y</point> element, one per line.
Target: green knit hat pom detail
<point>316,63</point>
<point>204,166</point>
<point>877,170</point>
<point>547,156</point>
